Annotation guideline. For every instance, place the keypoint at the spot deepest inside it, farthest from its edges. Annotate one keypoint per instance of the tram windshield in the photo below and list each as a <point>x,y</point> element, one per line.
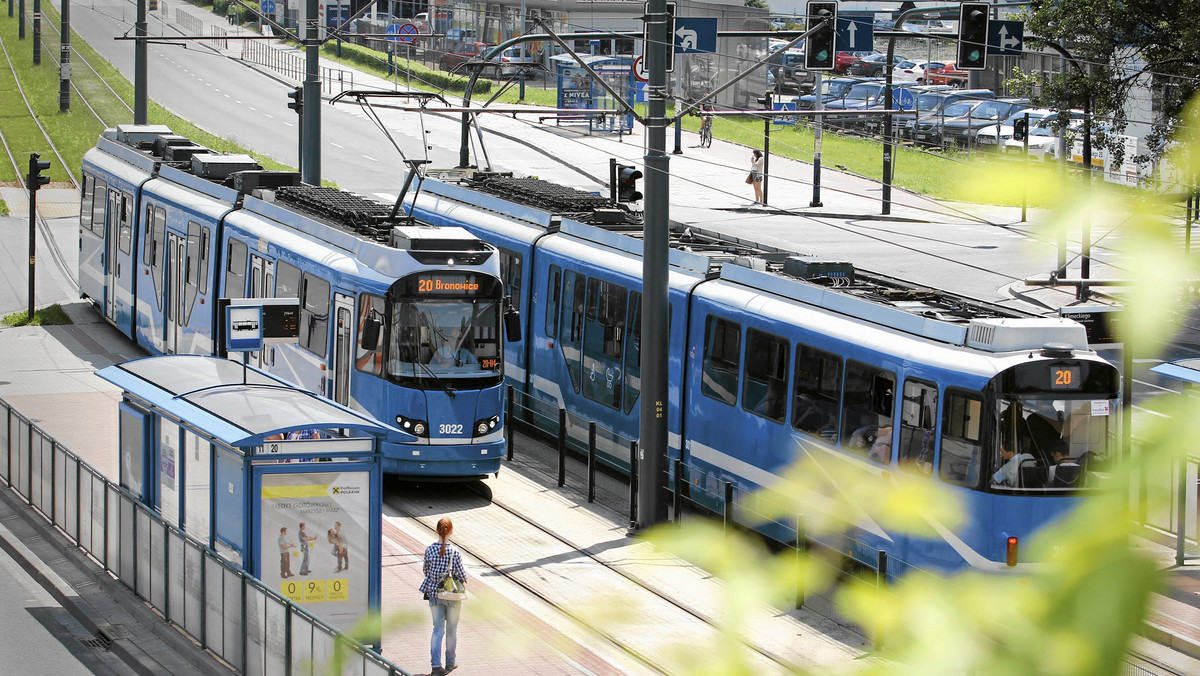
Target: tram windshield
<point>1051,445</point>
<point>445,338</point>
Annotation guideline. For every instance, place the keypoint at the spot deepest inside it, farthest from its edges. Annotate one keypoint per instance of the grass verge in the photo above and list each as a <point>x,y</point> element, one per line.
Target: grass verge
<point>48,316</point>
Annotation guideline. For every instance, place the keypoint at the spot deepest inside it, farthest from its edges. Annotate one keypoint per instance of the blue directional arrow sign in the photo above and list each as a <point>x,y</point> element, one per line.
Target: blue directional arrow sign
<point>785,120</point>
<point>267,7</point>
<point>393,29</point>
<point>1006,38</point>
<point>695,35</point>
<point>855,34</point>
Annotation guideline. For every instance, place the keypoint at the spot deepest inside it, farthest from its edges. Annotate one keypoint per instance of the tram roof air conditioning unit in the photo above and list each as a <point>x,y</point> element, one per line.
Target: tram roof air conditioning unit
<point>750,262</point>
<point>219,167</point>
<point>182,153</point>
<point>417,238</point>
<point>993,334</point>
<point>162,143</point>
<point>247,182</point>
<point>800,268</point>
<point>133,134</point>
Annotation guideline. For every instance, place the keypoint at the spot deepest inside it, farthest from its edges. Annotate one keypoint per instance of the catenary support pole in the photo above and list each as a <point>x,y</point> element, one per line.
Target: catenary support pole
<point>766,177</point>
<point>64,59</point>
<point>141,79</point>
<point>652,465</point>
<point>37,32</point>
<point>817,129</point>
<point>310,168</point>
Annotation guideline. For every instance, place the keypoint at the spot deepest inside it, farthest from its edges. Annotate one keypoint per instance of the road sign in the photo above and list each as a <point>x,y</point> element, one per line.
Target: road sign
<point>904,99</point>
<point>1006,38</point>
<point>695,35</point>
<point>785,120</point>
<point>855,34</point>
<point>408,32</point>
<point>267,7</point>
<point>639,69</point>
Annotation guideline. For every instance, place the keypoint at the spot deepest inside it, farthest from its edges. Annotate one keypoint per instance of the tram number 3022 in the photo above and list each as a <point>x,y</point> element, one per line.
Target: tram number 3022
<point>450,429</point>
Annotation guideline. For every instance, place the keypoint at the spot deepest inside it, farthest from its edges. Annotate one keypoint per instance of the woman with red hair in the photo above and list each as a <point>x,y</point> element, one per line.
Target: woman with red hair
<point>442,560</point>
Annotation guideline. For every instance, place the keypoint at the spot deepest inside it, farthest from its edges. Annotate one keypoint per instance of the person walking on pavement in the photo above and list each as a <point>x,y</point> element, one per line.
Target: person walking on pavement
<point>231,12</point>
<point>756,175</point>
<point>442,560</point>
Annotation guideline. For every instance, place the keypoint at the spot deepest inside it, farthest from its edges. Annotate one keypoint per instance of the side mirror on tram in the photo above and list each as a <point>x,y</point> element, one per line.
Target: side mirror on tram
<point>512,325</point>
<point>369,336</point>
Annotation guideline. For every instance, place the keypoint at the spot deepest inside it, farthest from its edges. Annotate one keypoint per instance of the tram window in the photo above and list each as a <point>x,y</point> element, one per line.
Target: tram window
<point>158,250</point>
<point>553,293</point>
<point>191,268</point>
<point>918,426</point>
<point>287,280</point>
<point>764,391</point>
<point>510,272</point>
<point>722,359</point>
<point>85,202</point>
<point>99,207</point>
<point>961,451</point>
<point>314,315</point>
<point>235,277</point>
<point>867,407</point>
<point>571,324</point>
<point>604,339</point>
<point>817,391</point>
<point>633,351</point>
<point>370,361</point>
<point>204,257</point>
<point>126,230</point>
<point>147,240</point>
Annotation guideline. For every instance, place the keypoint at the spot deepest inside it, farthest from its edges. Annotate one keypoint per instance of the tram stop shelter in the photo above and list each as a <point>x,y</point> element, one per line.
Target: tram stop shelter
<point>272,478</point>
<point>578,90</point>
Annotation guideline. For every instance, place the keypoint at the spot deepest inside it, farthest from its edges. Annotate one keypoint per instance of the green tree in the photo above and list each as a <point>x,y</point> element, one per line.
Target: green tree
<point>1120,45</point>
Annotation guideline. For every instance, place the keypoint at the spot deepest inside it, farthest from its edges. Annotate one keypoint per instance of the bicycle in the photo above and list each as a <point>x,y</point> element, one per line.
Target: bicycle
<point>706,131</point>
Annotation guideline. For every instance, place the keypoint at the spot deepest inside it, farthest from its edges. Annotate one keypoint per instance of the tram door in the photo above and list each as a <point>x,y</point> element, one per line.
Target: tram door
<point>112,265</point>
<point>343,348</point>
<point>262,285</point>
<point>173,301</point>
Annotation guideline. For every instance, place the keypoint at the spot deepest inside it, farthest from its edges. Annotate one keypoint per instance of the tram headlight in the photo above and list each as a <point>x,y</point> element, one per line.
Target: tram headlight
<point>417,427</point>
<point>486,425</point>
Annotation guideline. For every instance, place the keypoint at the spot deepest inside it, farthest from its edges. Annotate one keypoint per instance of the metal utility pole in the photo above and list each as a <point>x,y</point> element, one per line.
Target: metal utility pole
<point>37,32</point>
<point>21,23</point>
<point>64,59</point>
<point>818,104</point>
<point>652,449</point>
<point>140,78</point>
<point>310,161</point>
<point>767,122</point>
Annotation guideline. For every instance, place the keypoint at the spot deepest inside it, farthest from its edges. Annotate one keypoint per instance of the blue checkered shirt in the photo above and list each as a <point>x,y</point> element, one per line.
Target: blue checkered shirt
<point>437,566</point>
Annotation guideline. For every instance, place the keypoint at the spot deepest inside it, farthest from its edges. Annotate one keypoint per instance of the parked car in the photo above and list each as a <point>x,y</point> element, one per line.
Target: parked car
<point>843,60</point>
<point>914,71</point>
<point>994,136</point>
<point>872,64</point>
<point>831,90</point>
<point>930,105</point>
<point>512,60</point>
<point>462,52</point>
<point>1043,139</point>
<point>421,21</point>
<point>874,125</point>
<point>958,125</point>
<point>948,74</point>
<point>460,35</point>
<point>862,96</point>
<point>373,24</point>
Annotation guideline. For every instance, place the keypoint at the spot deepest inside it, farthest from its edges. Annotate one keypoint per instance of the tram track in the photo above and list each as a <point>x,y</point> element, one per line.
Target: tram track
<point>43,227</point>
<point>498,509</point>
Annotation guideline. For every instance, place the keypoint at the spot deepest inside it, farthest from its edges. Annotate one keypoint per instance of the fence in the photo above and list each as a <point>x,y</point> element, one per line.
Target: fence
<point>291,65</point>
<point>189,23</point>
<point>226,610</point>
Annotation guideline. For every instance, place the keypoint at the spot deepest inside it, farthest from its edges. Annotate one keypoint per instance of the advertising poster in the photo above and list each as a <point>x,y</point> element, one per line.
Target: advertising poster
<point>168,471</point>
<point>314,541</point>
<point>575,88</point>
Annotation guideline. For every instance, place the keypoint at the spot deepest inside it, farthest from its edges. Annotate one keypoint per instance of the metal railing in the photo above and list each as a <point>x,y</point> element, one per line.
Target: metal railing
<point>188,22</point>
<point>291,65</point>
<point>222,607</point>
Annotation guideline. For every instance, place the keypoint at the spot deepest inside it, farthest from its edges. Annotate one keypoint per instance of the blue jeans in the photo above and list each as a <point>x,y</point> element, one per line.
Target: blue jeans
<point>445,623</point>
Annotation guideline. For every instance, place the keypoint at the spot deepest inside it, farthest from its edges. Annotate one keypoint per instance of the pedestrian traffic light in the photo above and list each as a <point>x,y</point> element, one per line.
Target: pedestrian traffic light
<point>297,100</point>
<point>627,178</point>
<point>973,18</point>
<point>35,179</point>
<point>819,47</point>
<point>1020,128</point>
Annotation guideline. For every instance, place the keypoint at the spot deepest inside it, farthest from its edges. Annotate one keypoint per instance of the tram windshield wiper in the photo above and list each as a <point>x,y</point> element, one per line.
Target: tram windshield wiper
<point>441,383</point>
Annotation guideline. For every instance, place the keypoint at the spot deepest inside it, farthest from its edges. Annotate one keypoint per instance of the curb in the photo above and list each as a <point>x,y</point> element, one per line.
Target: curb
<point>1163,636</point>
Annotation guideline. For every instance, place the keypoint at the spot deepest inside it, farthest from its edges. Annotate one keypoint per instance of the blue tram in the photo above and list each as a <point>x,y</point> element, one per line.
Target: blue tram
<point>397,319</point>
<point>774,357</point>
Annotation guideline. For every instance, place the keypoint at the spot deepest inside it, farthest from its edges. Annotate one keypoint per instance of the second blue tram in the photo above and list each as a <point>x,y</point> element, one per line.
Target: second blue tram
<point>397,319</point>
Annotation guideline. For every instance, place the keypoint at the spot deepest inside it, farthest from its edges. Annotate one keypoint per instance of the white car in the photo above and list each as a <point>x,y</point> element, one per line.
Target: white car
<point>513,61</point>
<point>1043,139</point>
<point>914,71</point>
<point>995,135</point>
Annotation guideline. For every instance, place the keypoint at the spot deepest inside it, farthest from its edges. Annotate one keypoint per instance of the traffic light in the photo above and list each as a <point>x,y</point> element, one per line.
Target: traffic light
<point>1020,128</point>
<point>819,48</point>
<point>35,179</point>
<point>627,178</point>
<point>973,18</point>
<point>297,100</point>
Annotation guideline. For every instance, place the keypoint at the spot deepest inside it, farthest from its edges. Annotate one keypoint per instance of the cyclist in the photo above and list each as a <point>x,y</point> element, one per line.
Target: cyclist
<point>706,122</point>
